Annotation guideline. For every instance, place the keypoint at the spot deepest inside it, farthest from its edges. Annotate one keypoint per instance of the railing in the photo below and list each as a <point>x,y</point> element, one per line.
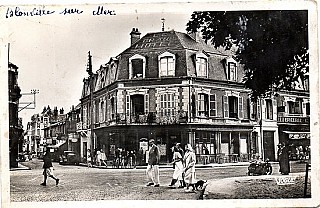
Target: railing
<point>80,126</point>
<point>152,118</point>
<point>308,167</point>
<point>293,119</point>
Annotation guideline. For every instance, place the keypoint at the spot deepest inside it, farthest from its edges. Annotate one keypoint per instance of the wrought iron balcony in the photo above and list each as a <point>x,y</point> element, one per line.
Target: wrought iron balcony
<point>152,118</point>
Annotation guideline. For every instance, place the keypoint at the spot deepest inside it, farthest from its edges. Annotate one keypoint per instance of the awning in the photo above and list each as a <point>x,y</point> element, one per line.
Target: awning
<point>56,145</point>
<point>298,135</point>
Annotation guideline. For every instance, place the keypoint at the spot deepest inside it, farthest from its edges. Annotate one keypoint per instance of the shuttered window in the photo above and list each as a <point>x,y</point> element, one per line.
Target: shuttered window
<point>146,103</point>
<point>213,105</point>
<point>240,107</point>
<point>225,106</point>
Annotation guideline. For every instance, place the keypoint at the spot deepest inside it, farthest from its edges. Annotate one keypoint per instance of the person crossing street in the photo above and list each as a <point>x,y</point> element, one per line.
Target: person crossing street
<point>48,168</point>
<point>153,165</point>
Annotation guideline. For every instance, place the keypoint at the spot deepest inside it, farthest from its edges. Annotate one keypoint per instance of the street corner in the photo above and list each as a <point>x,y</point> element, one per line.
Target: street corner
<point>222,187</point>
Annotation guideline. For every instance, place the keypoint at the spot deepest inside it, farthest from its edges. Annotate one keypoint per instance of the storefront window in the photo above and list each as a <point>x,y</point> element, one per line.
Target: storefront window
<point>205,143</point>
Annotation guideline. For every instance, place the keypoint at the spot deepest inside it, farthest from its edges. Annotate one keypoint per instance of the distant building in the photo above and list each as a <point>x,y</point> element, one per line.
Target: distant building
<point>15,124</point>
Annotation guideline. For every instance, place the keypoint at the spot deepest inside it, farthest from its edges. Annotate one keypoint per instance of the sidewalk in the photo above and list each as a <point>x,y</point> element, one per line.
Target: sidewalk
<point>227,188</point>
<point>169,166</point>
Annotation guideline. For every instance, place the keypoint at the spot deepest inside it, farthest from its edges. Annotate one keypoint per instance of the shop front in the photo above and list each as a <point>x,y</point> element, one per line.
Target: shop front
<point>224,144</point>
<point>134,139</point>
<point>298,140</point>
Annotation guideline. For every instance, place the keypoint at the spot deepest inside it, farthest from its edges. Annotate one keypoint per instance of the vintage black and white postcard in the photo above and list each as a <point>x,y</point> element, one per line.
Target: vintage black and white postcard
<point>160,104</point>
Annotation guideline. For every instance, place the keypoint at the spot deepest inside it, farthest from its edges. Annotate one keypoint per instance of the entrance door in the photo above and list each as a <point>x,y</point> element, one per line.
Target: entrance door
<point>84,149</point>
<point>268,145</point>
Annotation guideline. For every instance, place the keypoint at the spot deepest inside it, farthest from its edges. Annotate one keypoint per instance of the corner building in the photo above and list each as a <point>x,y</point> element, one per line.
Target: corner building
<point>171,87</point>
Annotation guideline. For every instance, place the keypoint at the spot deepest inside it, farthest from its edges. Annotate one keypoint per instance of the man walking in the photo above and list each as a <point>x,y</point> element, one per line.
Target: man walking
<point>153,165</point>
<point>48,168</point>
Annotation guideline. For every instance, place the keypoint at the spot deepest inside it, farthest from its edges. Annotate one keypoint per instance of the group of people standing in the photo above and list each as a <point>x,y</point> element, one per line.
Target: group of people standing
<point>183,162</point>
<point>99,158</point>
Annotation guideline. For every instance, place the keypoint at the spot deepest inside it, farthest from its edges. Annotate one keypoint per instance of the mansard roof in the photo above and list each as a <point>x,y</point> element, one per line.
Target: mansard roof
<point>184,46</point>
<point>172,39</point>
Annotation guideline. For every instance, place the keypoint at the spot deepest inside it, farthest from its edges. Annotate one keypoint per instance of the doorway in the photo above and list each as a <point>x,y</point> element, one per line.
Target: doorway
<point>268,145</point>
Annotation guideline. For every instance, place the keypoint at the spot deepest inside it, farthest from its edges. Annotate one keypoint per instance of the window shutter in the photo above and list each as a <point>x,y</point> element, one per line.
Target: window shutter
<point>213,107</point>
<point>193,105</point>
<point>128,105</point>
<point>130,69</point>
<point>258,110</point>
<point>146,103</point>
<point>197,66</point>
<point>241,107</point>
<point>225,106</point>
<point>196,103</point>
<point>274,109</point>
<point>94,113</point>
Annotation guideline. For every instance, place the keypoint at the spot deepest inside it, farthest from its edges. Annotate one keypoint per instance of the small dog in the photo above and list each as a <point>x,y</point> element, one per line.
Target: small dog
<point>200,184</point>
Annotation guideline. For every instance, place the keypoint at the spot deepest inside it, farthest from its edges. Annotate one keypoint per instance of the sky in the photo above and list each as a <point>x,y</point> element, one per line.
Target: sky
<point>52,51</point>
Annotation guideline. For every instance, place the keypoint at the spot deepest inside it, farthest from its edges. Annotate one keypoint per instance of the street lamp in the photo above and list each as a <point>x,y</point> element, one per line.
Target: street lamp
<point>90,73</point>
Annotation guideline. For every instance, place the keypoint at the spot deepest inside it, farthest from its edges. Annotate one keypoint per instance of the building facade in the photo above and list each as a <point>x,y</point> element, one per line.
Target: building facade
<point>15,124</point>
<point>171,87</point>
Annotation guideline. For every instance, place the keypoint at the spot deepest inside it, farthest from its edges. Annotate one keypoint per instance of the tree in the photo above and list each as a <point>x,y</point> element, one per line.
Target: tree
<point>272,45</point>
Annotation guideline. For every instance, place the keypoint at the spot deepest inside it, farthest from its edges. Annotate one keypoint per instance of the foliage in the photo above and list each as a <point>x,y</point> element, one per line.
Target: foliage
<point>272,45</point>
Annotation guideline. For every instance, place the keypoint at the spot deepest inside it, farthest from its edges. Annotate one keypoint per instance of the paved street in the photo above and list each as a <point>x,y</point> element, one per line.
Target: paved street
<point>85,184</point>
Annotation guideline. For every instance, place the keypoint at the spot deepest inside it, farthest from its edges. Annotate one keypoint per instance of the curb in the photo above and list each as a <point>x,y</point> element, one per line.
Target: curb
<point>20,167</point>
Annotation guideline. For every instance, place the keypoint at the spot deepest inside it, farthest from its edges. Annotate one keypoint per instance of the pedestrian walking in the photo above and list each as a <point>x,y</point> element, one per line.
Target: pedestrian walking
<point>103,158</point>
<point>190,168</point>
<point>283,156</point>
<point>48,168</point>
<point>140,156</point>
<point>89,163</point>
<point>98,158</point>
<point>181,151</point>
<point>153,165</point>
<point>178,168</point>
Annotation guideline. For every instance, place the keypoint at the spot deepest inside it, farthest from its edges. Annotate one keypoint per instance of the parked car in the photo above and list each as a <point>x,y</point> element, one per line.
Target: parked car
<point>69,158</point>
<point>22,157</point>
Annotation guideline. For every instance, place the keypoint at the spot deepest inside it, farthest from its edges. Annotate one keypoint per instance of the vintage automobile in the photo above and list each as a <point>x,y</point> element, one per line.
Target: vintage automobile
<point>69,158</point>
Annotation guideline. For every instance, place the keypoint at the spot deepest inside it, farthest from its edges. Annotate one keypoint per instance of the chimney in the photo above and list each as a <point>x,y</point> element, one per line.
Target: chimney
<point>195,36</point>
<point>135,35</point>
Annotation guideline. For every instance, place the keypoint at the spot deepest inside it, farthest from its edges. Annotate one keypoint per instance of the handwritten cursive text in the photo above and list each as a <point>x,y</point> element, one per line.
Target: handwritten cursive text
<point>71,11</point>
<point>40,11</point>
<point>101,11</point>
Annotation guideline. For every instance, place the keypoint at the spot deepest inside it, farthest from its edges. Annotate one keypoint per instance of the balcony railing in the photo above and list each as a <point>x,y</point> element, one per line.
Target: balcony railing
<point>152,118</point>
<point>293,119</point>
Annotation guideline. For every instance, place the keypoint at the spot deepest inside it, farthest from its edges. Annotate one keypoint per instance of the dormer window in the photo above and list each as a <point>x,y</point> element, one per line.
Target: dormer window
<point>231,69</point>
<point>202,65</point>
<point>137,66</point>
<point>166,64</point>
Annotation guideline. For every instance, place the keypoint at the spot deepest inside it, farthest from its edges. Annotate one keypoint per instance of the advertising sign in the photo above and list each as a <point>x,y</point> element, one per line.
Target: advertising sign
<point>144,146</point>
<point>163,149</point>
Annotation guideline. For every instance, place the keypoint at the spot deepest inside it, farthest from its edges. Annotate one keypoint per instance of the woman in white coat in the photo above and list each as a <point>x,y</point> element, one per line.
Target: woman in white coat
<point>178,168</point>
<point>190,168</point>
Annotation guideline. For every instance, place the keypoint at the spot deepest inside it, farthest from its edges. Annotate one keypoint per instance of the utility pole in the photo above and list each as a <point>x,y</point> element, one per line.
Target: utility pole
<point>163,20</point>
<point>27,104</point>
<point>90,73</point>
